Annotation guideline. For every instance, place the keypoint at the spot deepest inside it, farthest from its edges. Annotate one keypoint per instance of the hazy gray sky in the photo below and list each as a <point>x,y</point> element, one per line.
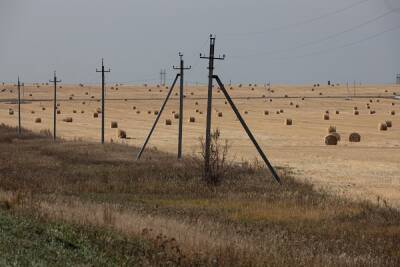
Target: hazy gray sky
<point>282,41</point>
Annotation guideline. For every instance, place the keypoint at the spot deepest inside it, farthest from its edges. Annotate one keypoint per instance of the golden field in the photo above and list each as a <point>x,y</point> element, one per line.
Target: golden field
<point>368,169</point>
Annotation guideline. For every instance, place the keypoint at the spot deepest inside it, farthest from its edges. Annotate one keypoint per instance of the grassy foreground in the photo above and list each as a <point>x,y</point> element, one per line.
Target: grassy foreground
<point>75,203</point>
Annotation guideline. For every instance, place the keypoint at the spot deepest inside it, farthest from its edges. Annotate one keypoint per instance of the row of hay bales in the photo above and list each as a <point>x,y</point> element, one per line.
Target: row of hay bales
<point>333,137</point>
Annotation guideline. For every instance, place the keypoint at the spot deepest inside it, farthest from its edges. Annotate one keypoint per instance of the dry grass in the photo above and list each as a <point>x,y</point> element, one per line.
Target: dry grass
<point>246,220</point>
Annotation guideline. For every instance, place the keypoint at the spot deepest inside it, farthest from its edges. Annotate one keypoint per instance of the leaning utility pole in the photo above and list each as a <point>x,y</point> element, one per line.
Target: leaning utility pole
<point>211,59</point>
<point>211,76</point>
<point>55,81</point>
<point>19,107</point>
<point>102,97</point>
<point>182,68</point>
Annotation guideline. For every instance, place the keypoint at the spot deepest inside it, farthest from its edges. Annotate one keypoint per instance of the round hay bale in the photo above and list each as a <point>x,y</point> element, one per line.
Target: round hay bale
<point>337,136</point>
<point>288,122</point>
<point>95,115</point>
<point>114,125</point>
<point>121,134</point>
<point>68,119</point>
<point>38,120</point>
<point>192,119</point>
<point>332,129</point>
<point>382,127</point>
<point>266,112</point>
<point>176,116</point>
<point>219,114</point>
<point>355,138</point>
<point>356,112</point>
<point>168,122</point>
<point>326,117</point>
<point>389,124</point>
<point>331,140</point>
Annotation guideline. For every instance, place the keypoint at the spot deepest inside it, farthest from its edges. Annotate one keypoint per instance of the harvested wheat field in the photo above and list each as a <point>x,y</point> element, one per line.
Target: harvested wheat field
<point>368,169</point>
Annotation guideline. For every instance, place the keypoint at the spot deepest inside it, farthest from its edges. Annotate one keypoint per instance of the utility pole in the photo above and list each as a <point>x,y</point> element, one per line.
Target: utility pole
<point>211,76</point>
<point>102,97</point>
<point>182,68</point>
<point>55,81</point>
<point>19,107</point>
<point>211,59</point>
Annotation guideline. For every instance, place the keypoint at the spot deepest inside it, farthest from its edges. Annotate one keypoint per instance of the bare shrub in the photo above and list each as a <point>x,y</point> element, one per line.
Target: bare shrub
<point>219,165</point>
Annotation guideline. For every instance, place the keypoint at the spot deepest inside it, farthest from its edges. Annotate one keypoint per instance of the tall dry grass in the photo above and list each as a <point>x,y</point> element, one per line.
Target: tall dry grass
<point>246,220</point>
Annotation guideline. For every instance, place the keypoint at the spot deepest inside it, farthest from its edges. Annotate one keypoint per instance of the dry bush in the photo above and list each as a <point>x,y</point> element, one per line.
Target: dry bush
<point>192,119</point>
<point>326,117</point>
<point>168,122</point>
<point>389,124</point>
<point>288,122</point>
<point>38,120</point>
<point>95,115</point>
<point>218,163</point>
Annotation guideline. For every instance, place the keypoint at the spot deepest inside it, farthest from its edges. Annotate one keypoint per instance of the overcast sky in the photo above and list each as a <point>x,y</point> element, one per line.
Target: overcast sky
<point>282,41</point>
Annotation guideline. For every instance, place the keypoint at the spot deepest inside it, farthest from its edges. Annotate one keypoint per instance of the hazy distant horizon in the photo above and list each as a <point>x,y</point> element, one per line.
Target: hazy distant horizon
<point>280,42</point>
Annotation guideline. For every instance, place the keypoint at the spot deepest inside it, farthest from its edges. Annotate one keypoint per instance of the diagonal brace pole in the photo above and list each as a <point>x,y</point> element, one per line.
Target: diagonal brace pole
<point>246,128</point>
<point>158,118</point>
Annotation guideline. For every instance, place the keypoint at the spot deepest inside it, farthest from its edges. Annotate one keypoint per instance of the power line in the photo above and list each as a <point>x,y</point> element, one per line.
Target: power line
<point>343,45</point>
<point>320,40</point>
<point>304,22</point>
